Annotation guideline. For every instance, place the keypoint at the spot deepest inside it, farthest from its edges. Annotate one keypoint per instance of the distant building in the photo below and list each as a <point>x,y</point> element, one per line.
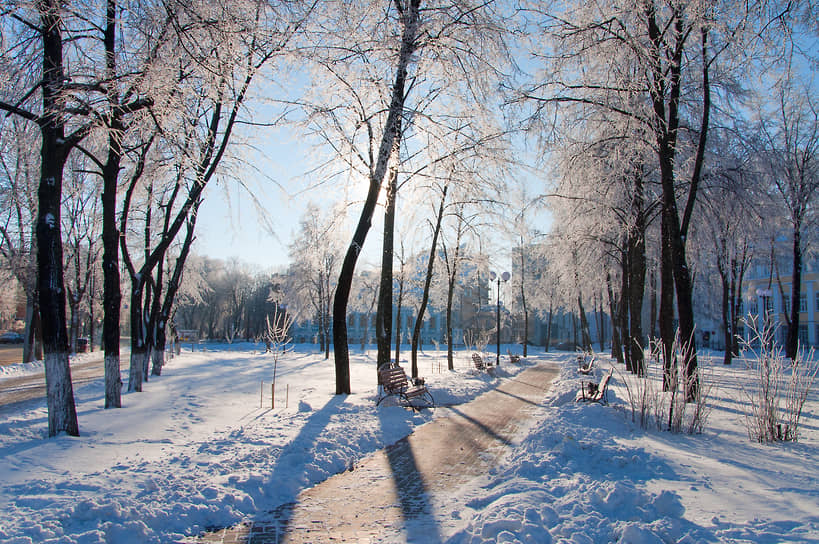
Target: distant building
<point>765,301</point>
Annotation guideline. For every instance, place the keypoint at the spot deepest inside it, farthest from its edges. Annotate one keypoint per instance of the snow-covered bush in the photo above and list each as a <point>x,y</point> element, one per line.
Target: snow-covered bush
<point>651,407</point>
<point>777,395</point>
<point>476,340</point>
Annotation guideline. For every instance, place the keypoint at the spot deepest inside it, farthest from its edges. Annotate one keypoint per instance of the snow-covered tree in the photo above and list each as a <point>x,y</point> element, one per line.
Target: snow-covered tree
<point>315,254</point>
<point>787,144</point>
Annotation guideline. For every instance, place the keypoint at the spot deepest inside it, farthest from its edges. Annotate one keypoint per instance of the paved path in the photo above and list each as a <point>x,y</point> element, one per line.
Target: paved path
<point>391,495</point>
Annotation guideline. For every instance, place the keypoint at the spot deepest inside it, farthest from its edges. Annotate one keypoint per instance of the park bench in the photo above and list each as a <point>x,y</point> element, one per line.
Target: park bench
<point>585,364</point>
<point>593,392</point>
<point>479,363</point>
<point>513,357</point>
<point>393,382</point>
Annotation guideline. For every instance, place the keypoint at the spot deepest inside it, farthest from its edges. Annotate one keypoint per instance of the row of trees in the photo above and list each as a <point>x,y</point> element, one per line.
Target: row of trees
<point>136,101</point>
<point>689,142</point>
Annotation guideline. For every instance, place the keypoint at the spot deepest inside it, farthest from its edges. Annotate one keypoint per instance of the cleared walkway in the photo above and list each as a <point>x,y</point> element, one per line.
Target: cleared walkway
<point>391,495</point>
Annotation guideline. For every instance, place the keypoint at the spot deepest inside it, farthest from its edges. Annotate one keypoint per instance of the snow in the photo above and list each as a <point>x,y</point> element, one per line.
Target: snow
<point>194,450</point>
<point>21,369</point>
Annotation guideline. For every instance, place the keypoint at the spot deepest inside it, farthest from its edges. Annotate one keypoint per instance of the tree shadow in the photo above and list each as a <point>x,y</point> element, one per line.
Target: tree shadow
<point>413,492</point>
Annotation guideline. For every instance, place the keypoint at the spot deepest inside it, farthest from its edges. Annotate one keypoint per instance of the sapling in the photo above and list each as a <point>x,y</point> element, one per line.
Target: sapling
<point>276,337</point>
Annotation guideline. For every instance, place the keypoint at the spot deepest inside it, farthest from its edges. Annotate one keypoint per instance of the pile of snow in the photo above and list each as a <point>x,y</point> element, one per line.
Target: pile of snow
<point>586,473</point>
<point>18,370</point>
<point>195,451</point>
<point>21,369</point>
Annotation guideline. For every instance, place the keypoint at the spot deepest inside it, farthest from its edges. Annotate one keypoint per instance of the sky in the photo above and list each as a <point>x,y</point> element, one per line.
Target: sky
<point>254,221</point>
<point>232,225</point>
<point>253,218</point>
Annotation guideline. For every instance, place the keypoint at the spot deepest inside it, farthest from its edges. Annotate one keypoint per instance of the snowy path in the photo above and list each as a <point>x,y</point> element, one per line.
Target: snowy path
<point>394,494</point>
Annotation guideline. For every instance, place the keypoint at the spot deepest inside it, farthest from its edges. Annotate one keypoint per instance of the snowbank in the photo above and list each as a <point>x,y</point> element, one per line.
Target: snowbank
<point>195,450</point>
<point>586,473</point>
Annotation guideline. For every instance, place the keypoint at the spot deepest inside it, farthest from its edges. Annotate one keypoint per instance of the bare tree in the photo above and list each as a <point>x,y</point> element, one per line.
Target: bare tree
<point>650,61</point>
<point>81,232</point>
<point>60,119</point>
<point>315,253</point>
<point>789,134</point>
<point>19,208</point>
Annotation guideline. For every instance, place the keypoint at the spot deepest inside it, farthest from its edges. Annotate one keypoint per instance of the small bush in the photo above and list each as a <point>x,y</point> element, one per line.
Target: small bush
<point>780,387</point>
<point>651,407</point>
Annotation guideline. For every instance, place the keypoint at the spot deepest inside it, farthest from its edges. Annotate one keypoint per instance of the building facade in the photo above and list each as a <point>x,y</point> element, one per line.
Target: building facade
<point>768,301</point>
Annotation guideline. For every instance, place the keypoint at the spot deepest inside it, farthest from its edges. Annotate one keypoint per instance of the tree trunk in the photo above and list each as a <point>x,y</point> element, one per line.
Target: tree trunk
<point>623,309</point>
<point>33,341</point>
<point>584,326</point>
<point>575,343</point>
<point>398,326</point>
<point>450,355</point>
<point>665,89</point>
<point>383,316</point>
<point>601,332</point>
<point>74,321</point>
<point>91,313</point>
<point>392,131</point>
<point>452,277</point>
<point>652,326</point>
<point>736,301</point>
<point>523,302</point>
<point>726,317</point>
<point>549,327</point>
<point>792,340</point>
<point>419,320</point>
<point>112,296</point>
<point>666,315</point>
<point>616,350</point>
<point>637,274</point>
<point>139,351</point>
<point>62,413</point>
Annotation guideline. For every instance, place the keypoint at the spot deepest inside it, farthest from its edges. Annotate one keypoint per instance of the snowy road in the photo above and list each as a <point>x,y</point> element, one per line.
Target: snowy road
<point>27,387</point>
<point>393,493</point>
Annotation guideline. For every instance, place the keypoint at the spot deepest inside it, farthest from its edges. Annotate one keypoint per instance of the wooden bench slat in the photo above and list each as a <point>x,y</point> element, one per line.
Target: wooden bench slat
<point>394,381</point>
<point>600,394</point>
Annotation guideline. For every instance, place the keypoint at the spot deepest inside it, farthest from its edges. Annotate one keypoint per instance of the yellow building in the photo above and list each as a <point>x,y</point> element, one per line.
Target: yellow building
<point>765,295</point>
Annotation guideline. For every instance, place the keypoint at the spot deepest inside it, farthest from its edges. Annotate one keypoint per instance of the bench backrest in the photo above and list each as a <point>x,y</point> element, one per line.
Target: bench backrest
<point>479,364</point>
<point>393,378</point>
<point>601,389</point>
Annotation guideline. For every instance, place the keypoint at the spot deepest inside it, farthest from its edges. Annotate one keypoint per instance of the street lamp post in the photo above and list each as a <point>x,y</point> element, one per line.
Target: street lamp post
<point>505,277</point>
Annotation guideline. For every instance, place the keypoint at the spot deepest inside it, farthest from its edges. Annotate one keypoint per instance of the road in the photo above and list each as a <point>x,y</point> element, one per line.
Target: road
<point>10,354</point>
<point>29,387</point>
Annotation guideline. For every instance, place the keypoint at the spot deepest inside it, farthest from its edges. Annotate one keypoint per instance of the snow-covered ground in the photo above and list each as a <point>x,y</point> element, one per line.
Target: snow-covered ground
<point>195,450</point>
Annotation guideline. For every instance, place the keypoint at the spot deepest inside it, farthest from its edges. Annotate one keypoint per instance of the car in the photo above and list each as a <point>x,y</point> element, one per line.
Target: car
<point>11,337</point>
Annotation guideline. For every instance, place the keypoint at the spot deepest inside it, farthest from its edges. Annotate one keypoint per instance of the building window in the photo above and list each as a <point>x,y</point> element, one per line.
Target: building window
<point>817,302</point>
<point>755,307</point>
<point>786,305</point>
<point>769,304</point>
<point>803,303</point>
<point>803,335</point>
